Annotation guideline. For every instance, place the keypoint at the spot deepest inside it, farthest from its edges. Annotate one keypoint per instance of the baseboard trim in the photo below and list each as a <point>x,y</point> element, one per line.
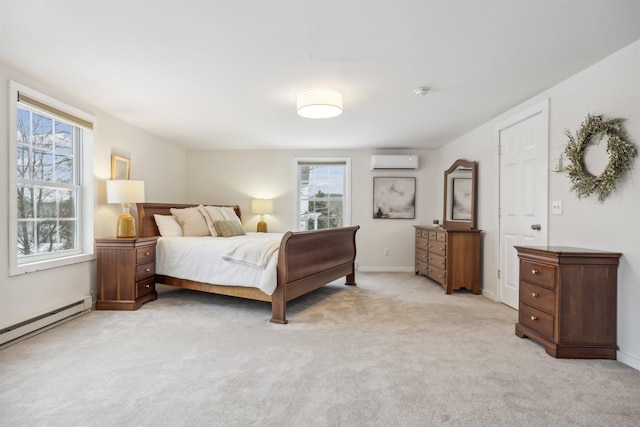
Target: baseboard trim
<point>628,360</point>
<point>386,269</point>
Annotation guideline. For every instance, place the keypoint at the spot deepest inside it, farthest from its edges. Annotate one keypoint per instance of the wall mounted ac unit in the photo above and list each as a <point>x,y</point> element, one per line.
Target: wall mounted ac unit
<point>394,162</point>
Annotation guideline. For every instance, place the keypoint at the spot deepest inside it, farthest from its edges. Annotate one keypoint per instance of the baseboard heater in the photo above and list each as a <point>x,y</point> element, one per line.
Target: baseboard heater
<point>44,321</point>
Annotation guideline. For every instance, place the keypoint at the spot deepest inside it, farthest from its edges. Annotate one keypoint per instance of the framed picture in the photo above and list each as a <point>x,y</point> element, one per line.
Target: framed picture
<point>120,167</point>
<point>394,198</point>
<point>461,200</point>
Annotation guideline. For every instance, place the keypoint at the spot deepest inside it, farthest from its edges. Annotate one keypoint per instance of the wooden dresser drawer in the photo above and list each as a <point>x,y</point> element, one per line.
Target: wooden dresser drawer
<point>437,274</point>
<point>437,247</point>
<point>145,254</point>
<point>145,287</point>
<point>541,274</point>
<point>433,235</point>
<point>537,296</point>
<point>437,261</point>
<point>422,243</point>
<point>441,236</point>
<point>422,256</point>
<point>536,319</point>
<point>145,271</point>
<point>421,267</point>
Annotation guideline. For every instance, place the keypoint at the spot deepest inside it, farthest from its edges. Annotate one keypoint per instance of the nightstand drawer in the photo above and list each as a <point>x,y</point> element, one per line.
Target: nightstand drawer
<point>145,254</point>
<point>145,270</point>
<point>536,296</point>
<point>540,274</point>
<point>537,320</point>
<point>145,287</point>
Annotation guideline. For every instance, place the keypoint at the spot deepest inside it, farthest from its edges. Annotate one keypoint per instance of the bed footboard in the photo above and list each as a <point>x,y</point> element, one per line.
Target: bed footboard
<point>308,260</point>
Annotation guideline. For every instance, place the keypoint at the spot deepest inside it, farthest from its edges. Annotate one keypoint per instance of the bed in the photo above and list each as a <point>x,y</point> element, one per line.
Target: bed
<point>306,261</point>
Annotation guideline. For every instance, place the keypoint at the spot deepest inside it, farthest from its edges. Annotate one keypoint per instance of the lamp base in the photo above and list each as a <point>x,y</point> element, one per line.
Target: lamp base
<point>262,227</point>
<point>126,226</point>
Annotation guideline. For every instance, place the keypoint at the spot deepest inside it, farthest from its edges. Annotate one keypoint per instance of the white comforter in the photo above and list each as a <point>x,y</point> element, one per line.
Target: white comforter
<point>201,259</point>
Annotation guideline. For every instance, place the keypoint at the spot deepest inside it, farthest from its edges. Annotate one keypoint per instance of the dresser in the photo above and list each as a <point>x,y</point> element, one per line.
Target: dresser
<point>568,300</point>
<point>126,270</point>
<point>450,257</point>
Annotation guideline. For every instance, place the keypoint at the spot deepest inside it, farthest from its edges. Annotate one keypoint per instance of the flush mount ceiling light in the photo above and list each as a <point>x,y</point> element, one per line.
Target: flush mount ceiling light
<point>319,103</point>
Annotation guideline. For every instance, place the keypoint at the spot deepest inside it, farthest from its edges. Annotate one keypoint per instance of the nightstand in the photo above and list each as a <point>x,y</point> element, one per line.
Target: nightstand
<point>126,272</point>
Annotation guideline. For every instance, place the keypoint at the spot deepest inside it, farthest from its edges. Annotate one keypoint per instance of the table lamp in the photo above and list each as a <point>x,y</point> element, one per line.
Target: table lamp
<point>261,207</point>
<point>125,192</point>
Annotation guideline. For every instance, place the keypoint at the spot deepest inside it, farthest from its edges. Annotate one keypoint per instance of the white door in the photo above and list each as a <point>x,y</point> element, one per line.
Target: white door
<point>524,166</point>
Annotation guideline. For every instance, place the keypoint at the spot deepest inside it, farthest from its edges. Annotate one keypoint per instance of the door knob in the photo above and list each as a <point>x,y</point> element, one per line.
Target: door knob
<point>535,226</point>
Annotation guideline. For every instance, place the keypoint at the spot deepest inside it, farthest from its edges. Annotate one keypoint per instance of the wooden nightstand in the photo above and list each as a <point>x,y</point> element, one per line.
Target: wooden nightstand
<point>126,272</point>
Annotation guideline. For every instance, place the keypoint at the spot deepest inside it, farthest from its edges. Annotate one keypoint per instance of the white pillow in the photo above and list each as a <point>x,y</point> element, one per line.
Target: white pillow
<point>168,225</point>
<point>221,213</point>
<point>192,221</point>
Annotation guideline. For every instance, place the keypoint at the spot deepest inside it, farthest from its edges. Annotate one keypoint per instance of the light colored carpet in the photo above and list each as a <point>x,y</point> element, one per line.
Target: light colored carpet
<point>394,351</point>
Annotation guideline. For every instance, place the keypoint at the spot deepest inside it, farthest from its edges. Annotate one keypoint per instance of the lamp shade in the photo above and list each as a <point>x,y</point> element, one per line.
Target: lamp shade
<point>319,103</point>
<point>261,206</point>
<point>125,191</point>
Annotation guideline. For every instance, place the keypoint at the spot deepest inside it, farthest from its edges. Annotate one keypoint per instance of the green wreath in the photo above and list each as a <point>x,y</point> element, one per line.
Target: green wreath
<point>621,153</point>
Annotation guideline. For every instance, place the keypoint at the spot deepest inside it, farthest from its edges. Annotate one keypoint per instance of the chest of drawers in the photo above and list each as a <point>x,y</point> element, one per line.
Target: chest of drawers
<point>568,300</point>
<point>126,270</point>
<point>450,257</point>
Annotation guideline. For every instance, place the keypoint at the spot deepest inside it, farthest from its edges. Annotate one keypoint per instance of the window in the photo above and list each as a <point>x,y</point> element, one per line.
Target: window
<point>323,193</point>
<point>51,185</point>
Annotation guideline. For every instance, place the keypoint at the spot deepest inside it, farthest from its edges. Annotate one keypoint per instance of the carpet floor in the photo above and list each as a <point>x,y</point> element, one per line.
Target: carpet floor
<point>393,351</point>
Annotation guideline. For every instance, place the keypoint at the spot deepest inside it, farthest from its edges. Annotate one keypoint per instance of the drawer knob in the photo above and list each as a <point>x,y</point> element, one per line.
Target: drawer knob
<point>441,249</point>
<point>147,285</point>
<point>147,253</point>
<point>534,318</point>
<point>147,270</point>
<point>534,294</point>
<point>534,271</point>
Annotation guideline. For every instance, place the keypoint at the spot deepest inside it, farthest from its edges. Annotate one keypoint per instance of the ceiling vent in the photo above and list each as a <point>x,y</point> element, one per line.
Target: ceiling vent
<point>394,162</point>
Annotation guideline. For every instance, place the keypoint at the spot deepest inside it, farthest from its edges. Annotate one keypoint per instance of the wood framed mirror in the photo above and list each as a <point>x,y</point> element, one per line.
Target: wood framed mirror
<point>460,183</point>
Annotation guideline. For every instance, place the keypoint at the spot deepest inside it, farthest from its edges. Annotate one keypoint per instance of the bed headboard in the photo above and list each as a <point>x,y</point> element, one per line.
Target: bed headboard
<point>147,224</point>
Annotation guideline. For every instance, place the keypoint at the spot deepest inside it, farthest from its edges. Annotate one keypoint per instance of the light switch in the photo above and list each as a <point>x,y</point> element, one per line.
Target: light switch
<point>556,207</point>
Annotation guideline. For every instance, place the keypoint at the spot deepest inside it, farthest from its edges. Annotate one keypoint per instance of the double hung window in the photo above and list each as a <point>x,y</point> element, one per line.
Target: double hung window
<point>323,193</point>
<point>51,194</point>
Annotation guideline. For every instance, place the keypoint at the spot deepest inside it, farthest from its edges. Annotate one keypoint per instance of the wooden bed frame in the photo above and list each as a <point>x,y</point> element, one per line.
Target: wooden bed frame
<point>307,260</point>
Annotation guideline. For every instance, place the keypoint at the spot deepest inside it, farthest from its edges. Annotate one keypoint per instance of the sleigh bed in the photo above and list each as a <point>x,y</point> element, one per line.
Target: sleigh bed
<point>306,260</point>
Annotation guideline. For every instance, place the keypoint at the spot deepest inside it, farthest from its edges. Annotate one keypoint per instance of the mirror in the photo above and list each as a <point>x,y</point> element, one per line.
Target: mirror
<point>460,195</point>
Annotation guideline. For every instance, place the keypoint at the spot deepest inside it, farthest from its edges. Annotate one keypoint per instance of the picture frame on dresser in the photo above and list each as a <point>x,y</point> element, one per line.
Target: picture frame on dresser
<point>394,197</point>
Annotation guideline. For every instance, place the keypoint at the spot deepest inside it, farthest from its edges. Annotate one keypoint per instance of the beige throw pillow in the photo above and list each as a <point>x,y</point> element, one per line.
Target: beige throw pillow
<point>192,221</point>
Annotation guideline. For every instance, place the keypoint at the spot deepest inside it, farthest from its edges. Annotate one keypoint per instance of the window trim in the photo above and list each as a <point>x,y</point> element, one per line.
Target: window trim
<point>85,251</point>
<point>347,189</point>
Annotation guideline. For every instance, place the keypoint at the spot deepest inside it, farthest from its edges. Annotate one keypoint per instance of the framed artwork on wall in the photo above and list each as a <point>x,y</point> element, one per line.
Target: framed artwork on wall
<point>120,167</point>
<point>394,197</point>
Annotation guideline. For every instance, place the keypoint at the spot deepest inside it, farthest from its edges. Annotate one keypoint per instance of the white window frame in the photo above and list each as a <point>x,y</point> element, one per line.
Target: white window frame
<point>347,185</point>
<point>85,251</point>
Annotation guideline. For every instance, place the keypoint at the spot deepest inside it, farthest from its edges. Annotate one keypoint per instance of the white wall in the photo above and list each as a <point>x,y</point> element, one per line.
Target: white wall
<point>612,88</point>
<point>235,177</point>
<point>159,163</point>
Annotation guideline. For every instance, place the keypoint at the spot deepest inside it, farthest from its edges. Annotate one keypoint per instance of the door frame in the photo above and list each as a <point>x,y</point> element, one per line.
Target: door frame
<point>541,107</point>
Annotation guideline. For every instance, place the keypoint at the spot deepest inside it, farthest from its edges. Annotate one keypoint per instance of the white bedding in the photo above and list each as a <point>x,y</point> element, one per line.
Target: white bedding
<point>201,259</point>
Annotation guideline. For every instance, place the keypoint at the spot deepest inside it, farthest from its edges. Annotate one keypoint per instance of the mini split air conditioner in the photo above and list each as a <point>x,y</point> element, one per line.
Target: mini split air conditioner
<point>394,162</point>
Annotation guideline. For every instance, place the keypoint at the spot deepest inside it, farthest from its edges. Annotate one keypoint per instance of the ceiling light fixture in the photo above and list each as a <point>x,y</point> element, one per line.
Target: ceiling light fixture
<point>319,103</point>
<point>421,91</point>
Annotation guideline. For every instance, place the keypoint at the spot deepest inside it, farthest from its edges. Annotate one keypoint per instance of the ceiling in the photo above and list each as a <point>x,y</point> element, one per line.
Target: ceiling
<point>224,74</point>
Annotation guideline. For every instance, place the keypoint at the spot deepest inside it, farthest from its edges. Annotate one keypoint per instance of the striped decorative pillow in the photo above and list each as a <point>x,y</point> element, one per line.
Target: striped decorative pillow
<point>229,228</point>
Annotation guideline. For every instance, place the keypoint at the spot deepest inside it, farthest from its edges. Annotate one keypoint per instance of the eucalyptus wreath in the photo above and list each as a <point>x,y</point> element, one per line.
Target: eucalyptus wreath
<point>621,154</point>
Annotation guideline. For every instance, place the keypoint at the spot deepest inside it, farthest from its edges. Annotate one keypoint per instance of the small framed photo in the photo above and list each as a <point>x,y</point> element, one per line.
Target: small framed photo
<point>394,198</point>
<point>120,167</point>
